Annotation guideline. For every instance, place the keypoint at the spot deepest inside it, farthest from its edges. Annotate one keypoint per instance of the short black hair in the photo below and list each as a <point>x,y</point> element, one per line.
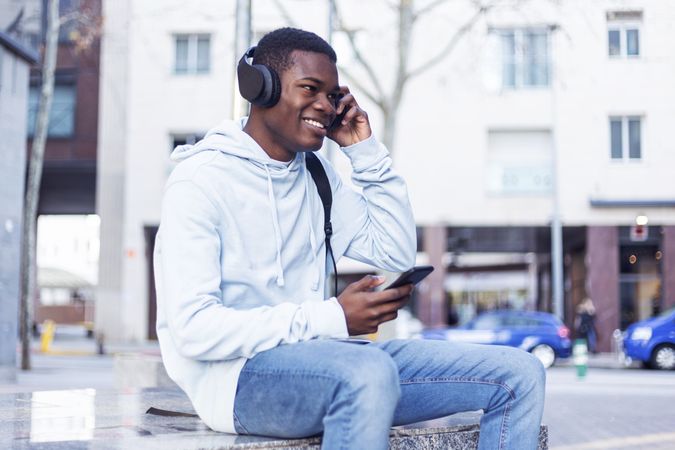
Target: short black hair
<point>275,48</point>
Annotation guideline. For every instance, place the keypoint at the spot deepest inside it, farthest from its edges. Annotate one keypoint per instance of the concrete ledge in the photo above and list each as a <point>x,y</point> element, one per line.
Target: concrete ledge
<point>462,437</point>
<point>140,370</point>
<point>87,418</point>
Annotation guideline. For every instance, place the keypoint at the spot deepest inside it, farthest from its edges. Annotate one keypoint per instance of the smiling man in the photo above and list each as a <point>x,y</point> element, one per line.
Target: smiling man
<point>245,326</point>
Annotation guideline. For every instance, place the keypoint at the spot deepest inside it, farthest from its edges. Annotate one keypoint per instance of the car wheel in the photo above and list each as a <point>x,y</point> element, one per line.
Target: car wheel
<point>663,357</point>
<point>545,354</point>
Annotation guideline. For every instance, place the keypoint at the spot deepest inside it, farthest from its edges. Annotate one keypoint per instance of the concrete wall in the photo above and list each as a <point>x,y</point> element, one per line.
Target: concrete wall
<point>13,104</point>
<point>449,111</point>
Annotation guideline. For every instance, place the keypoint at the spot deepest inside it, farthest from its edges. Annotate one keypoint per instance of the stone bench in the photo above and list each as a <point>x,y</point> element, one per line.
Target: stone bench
<point>145,375</point>
<point>112,419</point>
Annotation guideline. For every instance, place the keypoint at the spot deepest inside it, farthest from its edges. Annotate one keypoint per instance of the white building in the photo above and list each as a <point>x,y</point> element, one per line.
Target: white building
<point>15,61</point>
<point>569,100</point>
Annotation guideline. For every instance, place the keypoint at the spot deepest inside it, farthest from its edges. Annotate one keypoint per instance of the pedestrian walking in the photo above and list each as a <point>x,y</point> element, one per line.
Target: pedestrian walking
<point>585,323</point>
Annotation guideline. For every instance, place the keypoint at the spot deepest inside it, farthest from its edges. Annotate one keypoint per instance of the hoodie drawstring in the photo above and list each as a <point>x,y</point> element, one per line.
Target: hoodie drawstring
<point>277,231</point>
<point>312,236</point>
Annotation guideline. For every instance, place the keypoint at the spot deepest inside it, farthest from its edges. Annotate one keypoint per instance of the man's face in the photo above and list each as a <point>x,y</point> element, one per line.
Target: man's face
<point>300,121</point>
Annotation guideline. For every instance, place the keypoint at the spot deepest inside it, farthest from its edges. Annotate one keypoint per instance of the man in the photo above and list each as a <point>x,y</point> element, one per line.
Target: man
<point>243,322</point>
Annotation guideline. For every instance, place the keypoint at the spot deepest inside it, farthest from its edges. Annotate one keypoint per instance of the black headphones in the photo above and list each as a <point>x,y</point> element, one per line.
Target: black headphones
<point>258,83</point>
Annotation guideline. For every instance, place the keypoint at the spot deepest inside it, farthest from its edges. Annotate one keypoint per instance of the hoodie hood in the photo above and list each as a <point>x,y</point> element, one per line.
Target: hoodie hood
<point>230,138</point>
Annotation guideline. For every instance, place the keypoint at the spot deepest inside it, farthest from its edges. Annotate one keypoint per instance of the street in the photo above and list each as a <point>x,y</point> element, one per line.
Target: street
<point>610,409</point>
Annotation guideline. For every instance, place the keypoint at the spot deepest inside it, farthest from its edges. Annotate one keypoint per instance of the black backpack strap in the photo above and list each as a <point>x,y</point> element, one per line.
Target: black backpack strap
<point>167,413</point>
<point>323,186</point>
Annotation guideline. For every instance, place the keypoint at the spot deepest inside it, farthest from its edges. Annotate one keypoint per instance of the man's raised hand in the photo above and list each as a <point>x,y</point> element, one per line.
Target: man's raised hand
<point>355,126</point>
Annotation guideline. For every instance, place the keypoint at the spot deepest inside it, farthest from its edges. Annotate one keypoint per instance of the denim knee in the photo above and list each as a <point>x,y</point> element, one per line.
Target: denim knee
<point>373,380</point>
<point>528,375</point>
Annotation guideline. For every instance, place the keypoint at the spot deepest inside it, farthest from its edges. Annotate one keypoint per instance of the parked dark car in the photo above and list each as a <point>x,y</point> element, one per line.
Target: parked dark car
<point>540,333</point>
<point>652,341</point>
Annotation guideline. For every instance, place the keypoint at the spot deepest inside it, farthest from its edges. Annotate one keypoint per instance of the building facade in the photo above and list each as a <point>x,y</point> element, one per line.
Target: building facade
<point>15,61</point>
<point>68,185</point>
<point>553,110</point>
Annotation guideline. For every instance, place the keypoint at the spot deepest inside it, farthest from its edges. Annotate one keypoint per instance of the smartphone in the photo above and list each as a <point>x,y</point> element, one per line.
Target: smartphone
<point>412,276</point>
<point>336,123</point>
<point>338,119</point>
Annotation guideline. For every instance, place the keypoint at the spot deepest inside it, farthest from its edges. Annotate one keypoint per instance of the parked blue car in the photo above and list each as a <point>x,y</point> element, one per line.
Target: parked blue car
<point>540,333</point>
<point>652,341</point>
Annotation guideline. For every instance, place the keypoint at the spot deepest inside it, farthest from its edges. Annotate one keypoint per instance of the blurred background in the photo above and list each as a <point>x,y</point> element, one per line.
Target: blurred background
<point>533,136</point>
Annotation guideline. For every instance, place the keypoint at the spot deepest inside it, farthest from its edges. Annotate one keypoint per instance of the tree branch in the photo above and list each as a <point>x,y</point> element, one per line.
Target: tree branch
<point>427,8</point>
<point>380,102</point>
<point>359,57</point>
<point>286,15</point>
<point>450,45</point>
<point>391,4</point>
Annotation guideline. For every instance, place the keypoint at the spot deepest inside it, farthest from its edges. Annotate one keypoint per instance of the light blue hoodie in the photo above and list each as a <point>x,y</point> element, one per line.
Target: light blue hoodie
<point>240,258</point>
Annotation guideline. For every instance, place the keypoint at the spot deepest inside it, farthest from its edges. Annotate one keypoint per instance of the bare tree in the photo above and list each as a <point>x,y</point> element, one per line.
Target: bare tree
<point>408,18</point>
<point>33,183</point>
<point>88,26</point>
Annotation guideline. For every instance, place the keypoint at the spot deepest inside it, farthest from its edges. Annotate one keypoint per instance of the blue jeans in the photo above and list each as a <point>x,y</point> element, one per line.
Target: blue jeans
<point>354,393</point>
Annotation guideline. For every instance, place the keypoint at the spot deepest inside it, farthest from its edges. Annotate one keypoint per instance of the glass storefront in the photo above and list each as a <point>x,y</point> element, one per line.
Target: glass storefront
<point>640,281</point>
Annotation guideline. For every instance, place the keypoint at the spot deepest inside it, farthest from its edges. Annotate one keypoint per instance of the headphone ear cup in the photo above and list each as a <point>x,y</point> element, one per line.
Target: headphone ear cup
<point>276,88</point>
<point>258,83</point>
<point>271,91</point>
<point>251,81</point>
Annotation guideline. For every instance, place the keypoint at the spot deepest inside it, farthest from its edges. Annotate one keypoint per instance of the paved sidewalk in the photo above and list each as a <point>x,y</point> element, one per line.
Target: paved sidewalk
<point>601,361</point>
<point>72,363</point>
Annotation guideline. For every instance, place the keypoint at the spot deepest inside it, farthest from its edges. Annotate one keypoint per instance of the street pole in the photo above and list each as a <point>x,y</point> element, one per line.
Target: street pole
<point>242,42</point>
<point>556,225</point>
<point>556,262</point>
<point>330,145</point>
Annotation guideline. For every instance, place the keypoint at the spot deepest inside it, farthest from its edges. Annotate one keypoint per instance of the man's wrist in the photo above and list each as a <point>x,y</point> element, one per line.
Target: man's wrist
<point>365,153</point>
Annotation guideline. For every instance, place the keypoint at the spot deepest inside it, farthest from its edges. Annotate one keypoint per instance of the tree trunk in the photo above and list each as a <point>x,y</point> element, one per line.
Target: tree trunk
<point>389,134</point>
<point>405,26</point>
<point>28,263</point>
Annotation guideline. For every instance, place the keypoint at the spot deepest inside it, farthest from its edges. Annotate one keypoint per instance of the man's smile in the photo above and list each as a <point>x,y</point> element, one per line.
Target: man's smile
<point>315,123</point>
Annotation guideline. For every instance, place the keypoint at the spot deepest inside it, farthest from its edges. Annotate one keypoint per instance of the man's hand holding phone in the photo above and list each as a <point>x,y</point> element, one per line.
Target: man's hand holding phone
<point>351,125</point>
<point>365,309</point>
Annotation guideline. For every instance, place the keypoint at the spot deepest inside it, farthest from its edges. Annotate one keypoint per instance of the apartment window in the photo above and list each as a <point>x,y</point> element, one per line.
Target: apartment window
<point>185,138</point>
<point>69,28</point>
<point>193,53</point>
<point>62,114</point>
<point>623,34</point>
<point>525,58</point>
<point>519,162</point>
<point>625,137</point>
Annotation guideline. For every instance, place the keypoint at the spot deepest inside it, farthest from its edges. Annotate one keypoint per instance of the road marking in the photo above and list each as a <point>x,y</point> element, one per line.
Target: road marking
<point>622,442</point>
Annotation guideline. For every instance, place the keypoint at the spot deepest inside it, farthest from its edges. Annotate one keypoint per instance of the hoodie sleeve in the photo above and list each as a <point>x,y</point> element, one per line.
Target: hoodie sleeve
<point>381,223</point>
<point>200,325</point>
